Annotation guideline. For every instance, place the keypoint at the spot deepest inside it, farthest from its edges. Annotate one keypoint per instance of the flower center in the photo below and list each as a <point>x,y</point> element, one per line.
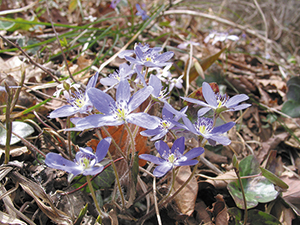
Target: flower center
<point>204,125</point>
<point>77,99</point>
<point>121,110</point>
<point>165,124</point>
<point>149,59</point>
<point>115,76</point>
<point>171,158</point>
<point>86,160</point>
<point>221,99</point>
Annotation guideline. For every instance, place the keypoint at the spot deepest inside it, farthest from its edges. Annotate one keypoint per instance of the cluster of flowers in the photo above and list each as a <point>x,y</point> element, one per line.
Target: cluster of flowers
<point>101,109</point>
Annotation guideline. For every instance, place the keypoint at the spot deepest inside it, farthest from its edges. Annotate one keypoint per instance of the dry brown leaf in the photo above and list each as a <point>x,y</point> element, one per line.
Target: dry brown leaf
<point>222,180</point>
<point>270,144</point>
<point>284,215</point>
<point>219,211</point>
<point>292,195</point>
<point>202,215</point>
<point>186,198</point>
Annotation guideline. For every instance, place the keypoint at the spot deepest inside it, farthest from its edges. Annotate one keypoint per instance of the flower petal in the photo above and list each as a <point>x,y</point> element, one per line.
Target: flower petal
<point>202,111</point>
<point>151,132</point>
<point>143,120</point>
<point>223,128</point>
<point>93,81</point>
<point>239,107</point>
<point>123,91</point>
<point>161,170</point>
<point>220,139</point>
<point>66,110</point>
<point>162,149</point>
<point>159,136</point>
<point>100,100</point>
<point>195,101</point>
<point>186,163</point>
<point>139,97</point>
<point>189,125</point>
<point>164,57</point>
<point>107,81</point>
<point>209,95</point>
<point>178,145</point>
<point>93,170</point>
<point>193,153</point>
<point>102,148</point>
<point>152,158</point>
<point>155,82</point>
<point>56,161</point>
<point>91,121</point>
<point>233,101</point>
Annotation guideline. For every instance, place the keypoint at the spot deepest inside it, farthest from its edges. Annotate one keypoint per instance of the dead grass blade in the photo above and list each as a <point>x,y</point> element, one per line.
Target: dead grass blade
<point>41,199</point>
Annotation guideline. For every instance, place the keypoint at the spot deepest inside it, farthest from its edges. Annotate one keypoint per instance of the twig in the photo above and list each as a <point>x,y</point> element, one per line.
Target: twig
<point>155,202</point>
<point>266,25</point>
<point>11,11</point>
<point>30,59</point>
<point>218,19</point>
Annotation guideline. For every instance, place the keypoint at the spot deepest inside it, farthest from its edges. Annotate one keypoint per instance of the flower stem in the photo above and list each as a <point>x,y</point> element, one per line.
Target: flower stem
<point>69,138</point>
<point>155,202</point>
<point>88,178</point>
<point>8,123</point>
<point>132,144</point>
<point>237,172</point>
<point>114,165</point>
<point>188,70</point>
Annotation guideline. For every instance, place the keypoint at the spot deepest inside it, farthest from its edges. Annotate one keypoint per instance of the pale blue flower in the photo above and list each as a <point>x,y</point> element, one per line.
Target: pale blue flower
<point>86,162</point>
<point>149,57</point>
<point>204,127</point>
<point>141,12</point>
<point>169,121</point>
<point>172,157</point>
<point>79,102</point>
<point>114,113</point>
<point>219,103</point>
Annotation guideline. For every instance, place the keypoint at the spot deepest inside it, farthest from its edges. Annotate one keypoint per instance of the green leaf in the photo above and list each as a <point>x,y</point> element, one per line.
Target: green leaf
<point>72,5</point>
<point>6,25</point>
<point>254,217</point>
<point>273,178</point>
<point>104,180</point>
<point>257,189</point>
<point>81,215</point>
<point>261,218</point>
<point>236,213</point>
<point>20,128</point>
<point>291,108</point>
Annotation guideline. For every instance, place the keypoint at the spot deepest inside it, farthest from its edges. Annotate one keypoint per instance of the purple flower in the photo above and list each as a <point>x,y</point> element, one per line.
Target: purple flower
<point>157,93</point>
<point>141,12</point>
<point>125,71</point>
<point>149,57</point>
<point>79,102</point>
<point>172,157</point>
<point>86,162</point>
<point>168,122</point>
<point>219,103</point>
<point>204,127</point>
<point>114,3</point>
<point>114,113</point>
